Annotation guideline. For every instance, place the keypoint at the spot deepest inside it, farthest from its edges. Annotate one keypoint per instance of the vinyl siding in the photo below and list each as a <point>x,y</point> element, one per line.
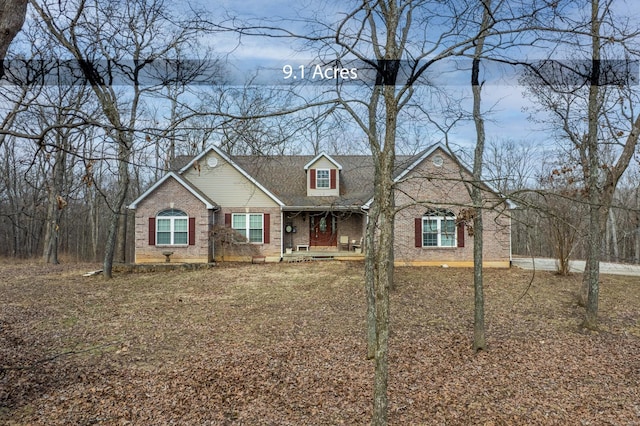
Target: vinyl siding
<point>226,185</point>
<point>323,163</point>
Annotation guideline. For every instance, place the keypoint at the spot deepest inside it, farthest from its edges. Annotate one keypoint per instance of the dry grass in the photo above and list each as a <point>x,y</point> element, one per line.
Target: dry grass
<point>283,344</point>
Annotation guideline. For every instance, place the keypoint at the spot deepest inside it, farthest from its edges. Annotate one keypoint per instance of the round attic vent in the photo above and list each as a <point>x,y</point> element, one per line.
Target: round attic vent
<point>438,161</point>
<point>212,162</point>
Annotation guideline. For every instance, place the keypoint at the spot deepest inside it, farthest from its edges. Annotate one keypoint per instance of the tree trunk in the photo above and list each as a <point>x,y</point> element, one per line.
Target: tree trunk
<point>479,339</point>
<point>613,233</point>
<point>123,186</point>
<point>384,231</point>
<point>383,283</point>
<point>372,231</point>
<point>12,14</point>
<point>591,278</point>
<point>50,252</point>
<point>370,273</point>
<point>55,203</point>
<point>121,243</point>
<point>637,225</point>
<point>592,272</point>
<point>94,223</point>
<point>52,230</point>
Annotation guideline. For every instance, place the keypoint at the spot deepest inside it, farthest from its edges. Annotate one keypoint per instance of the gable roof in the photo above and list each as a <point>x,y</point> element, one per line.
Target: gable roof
<point>182,181</point>
<point>235,165</point>
<point>439,145</point>
<point>283,177</point>
<point>319,156</point>
<point>421,157</point>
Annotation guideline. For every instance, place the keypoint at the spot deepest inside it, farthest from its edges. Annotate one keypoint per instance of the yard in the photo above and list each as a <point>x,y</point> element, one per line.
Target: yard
<point>284,344</point>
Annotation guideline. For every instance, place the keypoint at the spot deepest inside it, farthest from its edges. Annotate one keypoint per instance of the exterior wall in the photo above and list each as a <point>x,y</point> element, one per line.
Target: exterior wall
<point>230,189</point>
<point>226,185</point>
<point>247,251</point>
<point>300,221</point>
<point>323,163</point>
<point>352,225</point>
<point>171,194</point>
<point>441,187</point>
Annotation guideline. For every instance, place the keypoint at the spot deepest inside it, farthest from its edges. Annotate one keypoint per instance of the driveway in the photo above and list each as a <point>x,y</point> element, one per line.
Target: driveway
<point>545,264</point>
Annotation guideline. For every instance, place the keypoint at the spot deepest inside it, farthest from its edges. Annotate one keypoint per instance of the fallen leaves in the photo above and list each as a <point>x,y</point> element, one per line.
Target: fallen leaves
<point>284,344</point>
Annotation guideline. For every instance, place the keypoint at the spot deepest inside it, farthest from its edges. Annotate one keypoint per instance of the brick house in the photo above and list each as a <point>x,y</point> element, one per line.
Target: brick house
<point>219,207</point>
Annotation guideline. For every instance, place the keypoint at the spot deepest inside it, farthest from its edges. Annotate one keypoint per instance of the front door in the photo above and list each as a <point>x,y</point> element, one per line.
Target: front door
<point>322,230</point>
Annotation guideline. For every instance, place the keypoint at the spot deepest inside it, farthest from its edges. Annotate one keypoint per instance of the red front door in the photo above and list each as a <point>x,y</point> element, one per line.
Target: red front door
<point>321,230</point>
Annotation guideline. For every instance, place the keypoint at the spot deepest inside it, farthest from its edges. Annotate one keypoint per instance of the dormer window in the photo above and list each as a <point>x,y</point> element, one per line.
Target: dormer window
<point>323,180</point>
<point>323,176</point>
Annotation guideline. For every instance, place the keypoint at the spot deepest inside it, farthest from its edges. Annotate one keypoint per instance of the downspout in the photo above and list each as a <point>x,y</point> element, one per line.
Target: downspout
<point>282,234</point>
<point>510,241</point>
<point>365,211</point>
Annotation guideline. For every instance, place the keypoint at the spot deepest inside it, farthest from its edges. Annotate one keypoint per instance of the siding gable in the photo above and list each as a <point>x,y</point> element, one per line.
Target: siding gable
<point>323,162</point>
<point>223,182</point>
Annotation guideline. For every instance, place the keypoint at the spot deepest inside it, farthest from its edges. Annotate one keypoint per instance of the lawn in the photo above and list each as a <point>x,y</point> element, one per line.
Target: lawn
<point>284,344</point>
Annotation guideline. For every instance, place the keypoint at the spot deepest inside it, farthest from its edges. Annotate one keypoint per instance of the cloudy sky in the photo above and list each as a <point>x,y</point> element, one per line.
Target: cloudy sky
<point>507,118</point>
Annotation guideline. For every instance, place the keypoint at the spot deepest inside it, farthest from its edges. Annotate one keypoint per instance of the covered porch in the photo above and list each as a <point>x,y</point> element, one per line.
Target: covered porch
<point>323,233</point>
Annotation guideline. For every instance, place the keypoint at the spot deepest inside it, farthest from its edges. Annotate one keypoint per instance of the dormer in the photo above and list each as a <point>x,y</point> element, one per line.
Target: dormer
<point>323,176</point>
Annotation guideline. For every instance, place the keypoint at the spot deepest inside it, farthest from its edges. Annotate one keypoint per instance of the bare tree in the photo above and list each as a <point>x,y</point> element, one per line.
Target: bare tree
<point>511,165</point>
<point>385,29</point>
<point>479,339</point>
<point>58,151</point>
<point>595,85</point>
<point>116,43</point>
<point>561,202</point>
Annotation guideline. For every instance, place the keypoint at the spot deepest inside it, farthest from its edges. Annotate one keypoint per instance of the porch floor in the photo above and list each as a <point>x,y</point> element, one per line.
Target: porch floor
<point>303,255</point>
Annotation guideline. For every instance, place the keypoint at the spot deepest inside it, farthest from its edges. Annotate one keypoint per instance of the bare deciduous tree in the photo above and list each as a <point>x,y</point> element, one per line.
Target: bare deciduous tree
<point>594,85</point>
<point>114,43</point>
<point>479,339</point>
<point>511,165</point>
<point>384,30</point>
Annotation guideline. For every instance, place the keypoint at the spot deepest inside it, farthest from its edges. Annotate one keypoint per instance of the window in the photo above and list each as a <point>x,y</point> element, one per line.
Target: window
<point>322,179</point>
<point>249,225</point>
<point>439,229</point>
<point>172,227</point>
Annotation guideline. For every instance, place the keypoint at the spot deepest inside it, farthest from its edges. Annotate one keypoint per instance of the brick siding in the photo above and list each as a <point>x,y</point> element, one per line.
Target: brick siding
<point>172,195</point>
<point>442,187</point>
<point>245,251</point>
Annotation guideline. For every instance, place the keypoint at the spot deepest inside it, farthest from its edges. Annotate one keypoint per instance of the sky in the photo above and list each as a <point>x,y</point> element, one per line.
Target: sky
<point>502,98</point>
<point>507,110</point>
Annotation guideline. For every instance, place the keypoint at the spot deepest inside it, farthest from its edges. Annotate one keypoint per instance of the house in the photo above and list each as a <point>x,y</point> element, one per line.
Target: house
<point>223,207</point>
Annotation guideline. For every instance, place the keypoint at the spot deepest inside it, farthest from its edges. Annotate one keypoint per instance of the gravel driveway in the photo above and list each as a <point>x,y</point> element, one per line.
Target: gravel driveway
<point>576,266</point>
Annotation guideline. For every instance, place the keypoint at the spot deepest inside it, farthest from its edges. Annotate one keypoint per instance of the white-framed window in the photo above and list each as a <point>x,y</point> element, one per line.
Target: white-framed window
<point>439,229</point>
<point>249,225</point>
<point>172,227</point>
<point>323,179</point>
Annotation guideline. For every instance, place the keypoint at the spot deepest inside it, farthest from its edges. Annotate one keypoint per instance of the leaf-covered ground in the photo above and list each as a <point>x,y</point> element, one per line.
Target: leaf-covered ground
<point>284,344</point>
